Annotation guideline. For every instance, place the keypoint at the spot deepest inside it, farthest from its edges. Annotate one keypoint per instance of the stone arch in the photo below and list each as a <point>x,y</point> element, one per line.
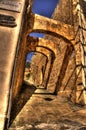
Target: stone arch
<point>49,26</point>
<point>38,52</point>
<point>39,49</point>
<point>49,55</point>
<point>52,45</point>
<point>48,44</point>
<point>58,29</point>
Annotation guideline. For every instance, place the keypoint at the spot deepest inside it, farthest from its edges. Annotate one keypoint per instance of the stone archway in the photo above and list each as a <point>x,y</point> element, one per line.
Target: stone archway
<point>52,27</point>
<point>48,44</point>
<point>51,45</point>
<point>34,46</point>
<point>36,73</point>
<point>57,28</point>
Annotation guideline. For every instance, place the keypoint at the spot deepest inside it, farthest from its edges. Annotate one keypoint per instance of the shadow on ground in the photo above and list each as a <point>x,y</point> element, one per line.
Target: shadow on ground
<point>24,95</point>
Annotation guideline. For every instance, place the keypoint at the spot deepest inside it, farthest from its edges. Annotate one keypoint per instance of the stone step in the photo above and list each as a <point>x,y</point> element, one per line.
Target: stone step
<point>41,91</point>
<point>40,87</point>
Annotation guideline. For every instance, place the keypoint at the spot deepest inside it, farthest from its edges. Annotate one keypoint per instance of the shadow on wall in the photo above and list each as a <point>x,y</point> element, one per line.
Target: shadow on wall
<point>83,7</point>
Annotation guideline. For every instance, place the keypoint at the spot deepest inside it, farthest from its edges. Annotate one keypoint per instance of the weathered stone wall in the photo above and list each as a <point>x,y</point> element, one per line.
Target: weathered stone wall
<point>63,12</point>
<point>20,56</point>
<point>37,68</point>
<point>79,12</point>
<point>64,67</point>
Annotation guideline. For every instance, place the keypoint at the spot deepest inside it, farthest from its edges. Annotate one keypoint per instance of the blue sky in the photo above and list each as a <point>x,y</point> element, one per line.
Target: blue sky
<point>44,8</point>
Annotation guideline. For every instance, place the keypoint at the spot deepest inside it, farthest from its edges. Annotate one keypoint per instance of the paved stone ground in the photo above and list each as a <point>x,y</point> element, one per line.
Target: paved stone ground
<point>44,111</point>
